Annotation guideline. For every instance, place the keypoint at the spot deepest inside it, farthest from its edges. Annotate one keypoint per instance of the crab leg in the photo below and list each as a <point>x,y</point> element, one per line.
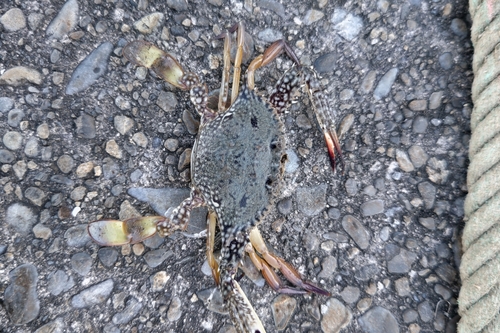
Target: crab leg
<point>325,120</point>
<point>268,259</point>
<point>179,218</point>
<point>211,223</point>
<point>224,89</point>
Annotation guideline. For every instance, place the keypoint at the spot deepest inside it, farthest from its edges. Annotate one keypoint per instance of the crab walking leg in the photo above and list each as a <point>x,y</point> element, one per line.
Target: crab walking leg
<point>271,53</point>
<point>240,40</point>
<point>179,218</point>
<point>224,87</point>
<point>269,259</point>
<point>214,266</point>
<point>325,120</point>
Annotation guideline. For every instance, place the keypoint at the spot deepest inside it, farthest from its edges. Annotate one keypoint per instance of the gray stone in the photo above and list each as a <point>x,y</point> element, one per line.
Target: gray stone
<point>285,206</point>
<point>351,187</point>
<point>335,316</point>
<point>123,124</point>
<point>420,125</point>
<point>311,200</point>
<point>368,82</point>
<point>14,118</point>
<point>19,75</point>
<point>12,140</point>
<point>166,101</point>
<point>131,311</point>
<point>77,236</point>
<point>65,21</point>
<point>13,20</point>
<point>149,23</point>
<point>35,195</point>
<point>329,266</point>
<point>190,122</point>
<point>366,272</point>
<point>96,294</point>
<point>384,85</point>
<point>418,156</point>
<point>85,126</point>
<point>283,307</point>
<point>350,294</point>
<point>446,272</point>
<point>90,69</point>
<point>65,163</point>
<point>359,234</point>
<point>399,260</point>
<point>347,25</point>
<point>428,193</point>
<point>56,326</point>
<point>6,103</point>
<point>378,320</point>
<point>107,256</point>
<point>20,217</point>
<point>404,161</point>
<point>435,100</point>
<point>269,35</point>
<point>32,149</point>
<point>20,298</point>
<point>326,63</point>
<point>312,15</point>
<point>81,263</point>
<point>372,207</point>
<point>459,28</point>
<point>410,316</point>
<point>157,257</point>
<point>403,287</point>
<point>427,222</point>
<point>418,105</point>
<point>6,157</point>
<point>446,61</point>
<point>426,311</point>
<point>59,282</point>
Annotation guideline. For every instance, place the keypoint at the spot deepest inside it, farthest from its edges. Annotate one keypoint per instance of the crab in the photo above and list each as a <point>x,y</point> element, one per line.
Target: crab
<point>236,165</point>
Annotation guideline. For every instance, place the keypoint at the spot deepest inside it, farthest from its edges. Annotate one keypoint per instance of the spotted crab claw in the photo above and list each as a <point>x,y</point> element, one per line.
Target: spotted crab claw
<point>267,262</point>
<point>145,54</point>
<point>130,231</point>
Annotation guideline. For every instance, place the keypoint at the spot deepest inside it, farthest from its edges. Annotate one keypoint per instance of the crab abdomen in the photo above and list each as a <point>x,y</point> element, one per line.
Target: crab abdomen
<point>238,161</point>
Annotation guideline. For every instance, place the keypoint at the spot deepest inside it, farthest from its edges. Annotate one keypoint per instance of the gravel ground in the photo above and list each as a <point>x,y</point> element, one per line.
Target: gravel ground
<point>80,126</point>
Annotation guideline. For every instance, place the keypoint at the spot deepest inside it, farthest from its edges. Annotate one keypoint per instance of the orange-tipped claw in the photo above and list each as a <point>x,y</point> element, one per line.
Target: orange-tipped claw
<point>334,150</point>
<point>142,53</point>
<point>130,231</point>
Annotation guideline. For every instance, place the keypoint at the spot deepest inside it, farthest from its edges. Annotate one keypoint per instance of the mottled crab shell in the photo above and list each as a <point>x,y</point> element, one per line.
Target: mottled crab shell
<point>238,160</point>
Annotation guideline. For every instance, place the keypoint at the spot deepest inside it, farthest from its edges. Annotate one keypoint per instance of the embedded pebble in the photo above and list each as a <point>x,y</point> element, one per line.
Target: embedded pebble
<point>77,236</point>
<point>348,26</point>
<point>446,61</point>
<point>269,35</point>
<point>59,282</point>
<point>6,104</point>
<point>334,213</point>
<point>384,85</point>
<point>372,207</point>
<point>184,159</point>
<point>41,231</point>
<point>459,27</point>
<point>35,195</point>
<point>175,309</point>
<point>56,326</point>
<point>444,292</point>
<point>350,294</point>
<point>14,117</point>
<point>283,307</point>
<point>402,286</point>
<point>428,193</point>
<point>285,206</point>
<point>84,169</point>
<point>140,139</point>
<point>96,294</point>
<point>366,273</point>
<point>212,299</point>
<point>311,200</point>
<point>20,217</point>
<point>65,163</point>
<point>167,101</point>
<point>437,170</point>
<point>85,126</point>
<point>368,82</point>
<point>420,125</point>
<point>159,280</point>
<point>31,149</point>
<point>336,237</point>
<point>13,20</point>
<point>122,103</point>
<point>335,316</point>
<point>378,320</point>
<point>351,187</point>
<point>426,311</point>
<point>326,63</point>
<point>19,75</point>
<point>418,105</point>
<point>329,266</point>
<point>65,21</point>
<point>446,272</point>
<point>418,156</point>
<point>107,256</point>
<point>364,304</point>
<point>148,23</point>
<point>303,122</point>
<point>20,298</point>
<point>123,124</point>
<point>131,311</point>
<point>399,260</point>
<point>404,161</point>
<point>410,315</point>
<point>275,6</point>
<point>292,163</point>
<point>428,222</point>
<point>312,15</point>
<point>12,140</point>
<point>6,157</point>
<point>191,123</point>
<point>435,100</point>
<point>90,69</point>
<point>113,149</point>
<point>78,193</point>
<point>81,263</point>
<point>359,234</point>
<point>157,257</point>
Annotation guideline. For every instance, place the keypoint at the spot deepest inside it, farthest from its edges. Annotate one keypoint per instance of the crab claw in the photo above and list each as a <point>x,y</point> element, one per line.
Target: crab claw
<point>334,150</point>
<point>130,231</point>
<point>142,53</point>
